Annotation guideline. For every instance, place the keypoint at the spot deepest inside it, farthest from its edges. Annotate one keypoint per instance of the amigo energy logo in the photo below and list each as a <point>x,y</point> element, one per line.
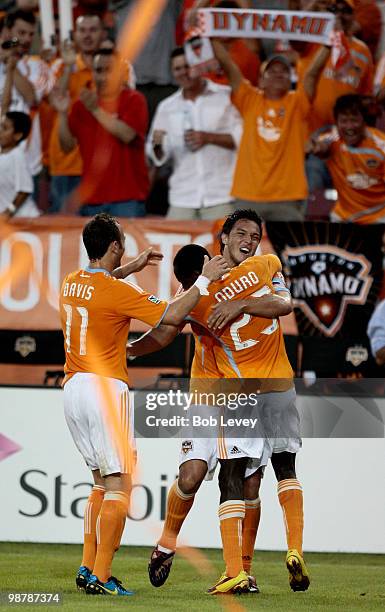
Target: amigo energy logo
<point>324,280</point>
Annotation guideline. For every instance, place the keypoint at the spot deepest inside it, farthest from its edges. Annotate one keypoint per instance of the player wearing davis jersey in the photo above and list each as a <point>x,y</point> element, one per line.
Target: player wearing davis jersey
<point>96,310</point>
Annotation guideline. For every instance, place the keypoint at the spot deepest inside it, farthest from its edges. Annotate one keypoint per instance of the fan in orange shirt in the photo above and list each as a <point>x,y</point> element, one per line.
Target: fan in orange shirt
<point>354,76</point>
<point>355,155</point>
<point>270,174</point>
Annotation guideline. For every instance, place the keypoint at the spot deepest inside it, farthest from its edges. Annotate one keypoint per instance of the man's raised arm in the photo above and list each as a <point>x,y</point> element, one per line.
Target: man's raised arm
<point>231,70</point>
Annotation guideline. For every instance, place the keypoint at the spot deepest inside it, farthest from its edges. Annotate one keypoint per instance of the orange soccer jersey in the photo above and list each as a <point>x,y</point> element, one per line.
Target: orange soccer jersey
<point>95,311</point>
<point>270,164</point>
<point>203,364</point>
<point>250,347</point>
<point>358,174</point>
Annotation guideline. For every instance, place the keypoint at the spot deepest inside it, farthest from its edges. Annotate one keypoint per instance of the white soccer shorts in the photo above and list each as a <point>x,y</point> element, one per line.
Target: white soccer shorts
<point>215,447</point>
<point>280,421</point>
<point>97,411</point>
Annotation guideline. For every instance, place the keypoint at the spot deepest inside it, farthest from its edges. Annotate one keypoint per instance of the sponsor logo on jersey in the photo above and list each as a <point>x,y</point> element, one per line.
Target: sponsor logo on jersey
<point>325,280</point>
<point>187,446</point>
<point>357,355</point>
<point>372,163</point>
<point>153,299</point>
<point>25,345</point>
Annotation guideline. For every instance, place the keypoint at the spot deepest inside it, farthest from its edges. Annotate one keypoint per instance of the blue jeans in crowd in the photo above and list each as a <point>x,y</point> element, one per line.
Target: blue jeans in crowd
<point>317,174</point>
<point>130,208</point>
<point>61,188</point>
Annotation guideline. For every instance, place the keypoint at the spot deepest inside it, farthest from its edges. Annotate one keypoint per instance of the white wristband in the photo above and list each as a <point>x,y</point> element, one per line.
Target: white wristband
<point>11,208</point>
<point>202,282</point>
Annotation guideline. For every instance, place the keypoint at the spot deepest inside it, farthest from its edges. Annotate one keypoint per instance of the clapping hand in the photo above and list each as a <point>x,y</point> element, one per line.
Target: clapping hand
<point>68,53</point>
<point>89,99</point>
<point>60,100</point>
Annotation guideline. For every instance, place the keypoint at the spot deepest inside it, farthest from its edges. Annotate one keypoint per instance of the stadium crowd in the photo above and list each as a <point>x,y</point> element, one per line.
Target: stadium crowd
<point>103,132</point>
<point>276,126</point>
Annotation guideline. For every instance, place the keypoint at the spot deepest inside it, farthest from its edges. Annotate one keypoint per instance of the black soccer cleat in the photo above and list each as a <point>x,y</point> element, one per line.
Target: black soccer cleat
<point>253,587</point>
<point>82,577</point>
<point>159,566</point>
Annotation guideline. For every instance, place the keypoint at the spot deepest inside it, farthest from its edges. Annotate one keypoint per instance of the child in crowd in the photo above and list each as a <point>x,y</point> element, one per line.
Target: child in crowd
<point>16,184</point>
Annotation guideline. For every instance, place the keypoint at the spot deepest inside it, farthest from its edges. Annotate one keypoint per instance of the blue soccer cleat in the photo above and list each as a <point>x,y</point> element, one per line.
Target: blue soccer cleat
<point>113,586</point>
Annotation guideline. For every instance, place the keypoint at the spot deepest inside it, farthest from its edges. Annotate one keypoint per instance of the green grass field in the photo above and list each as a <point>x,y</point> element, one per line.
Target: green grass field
<point>340,582</point>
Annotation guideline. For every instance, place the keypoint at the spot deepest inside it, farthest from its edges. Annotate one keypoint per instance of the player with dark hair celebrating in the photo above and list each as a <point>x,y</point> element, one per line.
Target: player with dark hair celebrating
<point>240,238</point>
<point>96,309</point>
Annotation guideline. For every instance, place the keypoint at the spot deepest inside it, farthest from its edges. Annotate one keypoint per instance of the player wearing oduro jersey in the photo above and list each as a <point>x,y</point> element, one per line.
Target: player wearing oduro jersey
<point>241,235</point>
<point>198,456</point>
<point>246,343</point>
<point>250,347</point>
<point>193,468</point>
<point>96,310</point>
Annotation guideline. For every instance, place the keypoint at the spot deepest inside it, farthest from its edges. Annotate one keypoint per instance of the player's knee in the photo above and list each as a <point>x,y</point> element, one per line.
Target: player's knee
<point>252,484</point>
<point>284,465</point>
<point>191,476</point>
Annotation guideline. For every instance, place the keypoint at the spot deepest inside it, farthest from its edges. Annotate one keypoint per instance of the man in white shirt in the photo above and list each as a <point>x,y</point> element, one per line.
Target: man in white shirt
<point>199,130</point>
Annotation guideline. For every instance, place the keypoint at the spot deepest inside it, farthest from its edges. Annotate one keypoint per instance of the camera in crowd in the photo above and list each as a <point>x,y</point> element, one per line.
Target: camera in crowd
<point>11,43</point>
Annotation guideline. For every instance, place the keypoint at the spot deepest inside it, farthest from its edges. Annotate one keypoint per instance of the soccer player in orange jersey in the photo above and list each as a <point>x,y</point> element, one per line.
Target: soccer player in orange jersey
<point>265,306</point>
<point>251,347</point>
<point>198,456</point>
<point>95,310</point>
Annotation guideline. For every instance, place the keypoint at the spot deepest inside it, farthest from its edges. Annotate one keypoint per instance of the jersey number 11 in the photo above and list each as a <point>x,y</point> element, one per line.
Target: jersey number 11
<point>83,312</point>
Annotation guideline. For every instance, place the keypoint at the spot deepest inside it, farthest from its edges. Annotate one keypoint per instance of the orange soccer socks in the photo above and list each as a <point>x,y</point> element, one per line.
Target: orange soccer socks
<point>231,514</point>
<point>109,529</point>
<point>178,507</point>
<point>249,531</point>
<point>291,500</point>
<point>91,514</point>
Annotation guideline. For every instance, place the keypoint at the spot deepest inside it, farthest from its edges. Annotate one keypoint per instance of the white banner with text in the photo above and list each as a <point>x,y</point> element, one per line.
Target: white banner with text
<point>279,25</point>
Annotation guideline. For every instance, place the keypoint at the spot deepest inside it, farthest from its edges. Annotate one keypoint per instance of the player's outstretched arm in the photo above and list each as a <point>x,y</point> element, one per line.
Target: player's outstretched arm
<point>152,341</point>
<point>269,306</point>
<point>149,257</point>
<point>179,308</point>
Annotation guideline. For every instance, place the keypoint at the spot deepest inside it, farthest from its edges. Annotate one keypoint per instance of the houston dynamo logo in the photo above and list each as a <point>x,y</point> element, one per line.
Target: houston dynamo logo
<point>324,280</point>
